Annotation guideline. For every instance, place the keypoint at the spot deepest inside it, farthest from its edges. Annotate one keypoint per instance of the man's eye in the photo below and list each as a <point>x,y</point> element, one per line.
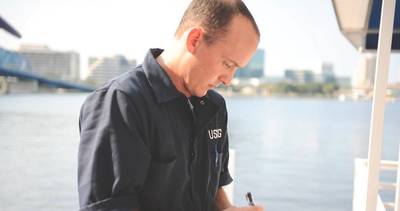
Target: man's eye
<point>229,66</point>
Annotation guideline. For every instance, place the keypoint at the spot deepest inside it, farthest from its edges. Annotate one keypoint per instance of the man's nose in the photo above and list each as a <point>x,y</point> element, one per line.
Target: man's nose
<point>227,78</point>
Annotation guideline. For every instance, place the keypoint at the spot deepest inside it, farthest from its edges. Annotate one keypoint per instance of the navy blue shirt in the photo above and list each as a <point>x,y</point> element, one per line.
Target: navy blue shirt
<point>143,144</point>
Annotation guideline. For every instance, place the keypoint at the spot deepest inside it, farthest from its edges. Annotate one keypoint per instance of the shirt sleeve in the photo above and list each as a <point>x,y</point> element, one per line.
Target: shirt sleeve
<point>225,177</point>
<point>113,158</point>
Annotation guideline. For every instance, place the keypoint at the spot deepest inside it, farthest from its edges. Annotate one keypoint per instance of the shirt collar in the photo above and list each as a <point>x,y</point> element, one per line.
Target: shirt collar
<point>163,88</point>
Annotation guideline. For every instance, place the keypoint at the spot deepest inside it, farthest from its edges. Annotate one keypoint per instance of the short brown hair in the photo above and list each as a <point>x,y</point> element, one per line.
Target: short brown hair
<point>214,16</point>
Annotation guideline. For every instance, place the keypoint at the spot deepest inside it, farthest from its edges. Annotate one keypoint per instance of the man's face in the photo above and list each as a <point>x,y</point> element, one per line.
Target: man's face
<point>216,63</point>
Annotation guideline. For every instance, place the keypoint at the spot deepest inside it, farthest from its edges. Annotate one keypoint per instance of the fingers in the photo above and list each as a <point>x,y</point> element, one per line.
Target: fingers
<point>248,208</point>
<point>257,208</point>
<point>251,208</point>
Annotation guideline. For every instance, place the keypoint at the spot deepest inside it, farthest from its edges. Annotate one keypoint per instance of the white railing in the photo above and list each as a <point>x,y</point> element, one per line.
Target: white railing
<point>360,185</point>
<point>231,166</point>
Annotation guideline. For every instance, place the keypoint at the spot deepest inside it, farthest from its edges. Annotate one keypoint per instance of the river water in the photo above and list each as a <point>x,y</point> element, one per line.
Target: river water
<point>291,153</point>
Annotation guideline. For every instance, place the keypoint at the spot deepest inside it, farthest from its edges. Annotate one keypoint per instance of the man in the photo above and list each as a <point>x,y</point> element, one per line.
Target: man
<point>155,138</point>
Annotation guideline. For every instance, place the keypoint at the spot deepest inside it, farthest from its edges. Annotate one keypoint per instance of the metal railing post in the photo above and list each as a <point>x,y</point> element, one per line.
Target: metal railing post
<point>397,199</point>
<point>378,108</point>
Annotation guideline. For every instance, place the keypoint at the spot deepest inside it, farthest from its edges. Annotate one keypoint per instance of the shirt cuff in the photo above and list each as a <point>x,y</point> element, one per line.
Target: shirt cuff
<point>225,179</point>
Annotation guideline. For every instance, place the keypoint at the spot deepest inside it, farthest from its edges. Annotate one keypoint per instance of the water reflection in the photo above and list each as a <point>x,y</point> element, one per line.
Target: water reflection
<point>293,154</point>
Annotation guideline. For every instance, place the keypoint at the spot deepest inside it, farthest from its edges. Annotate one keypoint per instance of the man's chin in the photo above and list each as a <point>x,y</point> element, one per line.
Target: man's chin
<point>201,93</point>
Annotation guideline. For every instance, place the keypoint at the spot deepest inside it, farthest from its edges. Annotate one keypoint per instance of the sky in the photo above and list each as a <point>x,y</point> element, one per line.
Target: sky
<point>295,34</point>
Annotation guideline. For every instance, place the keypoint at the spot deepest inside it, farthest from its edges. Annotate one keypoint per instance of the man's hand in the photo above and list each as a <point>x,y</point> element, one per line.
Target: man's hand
<point>249,208</point>
<point>224,204</point>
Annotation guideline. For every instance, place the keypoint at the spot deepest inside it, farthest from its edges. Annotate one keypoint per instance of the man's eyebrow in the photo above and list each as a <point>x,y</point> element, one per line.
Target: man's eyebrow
<point>236,64</point>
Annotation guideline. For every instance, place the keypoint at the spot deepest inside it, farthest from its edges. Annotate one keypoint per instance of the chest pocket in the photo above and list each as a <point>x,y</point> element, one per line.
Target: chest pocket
<point>215,138</point>
<point>215,157</point>
<point>215,161</point>
<point>215,135</point>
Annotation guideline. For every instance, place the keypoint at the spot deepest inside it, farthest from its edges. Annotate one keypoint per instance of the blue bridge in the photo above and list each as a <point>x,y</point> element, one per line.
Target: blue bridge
<point>13,64</point>
<point>45,81</point>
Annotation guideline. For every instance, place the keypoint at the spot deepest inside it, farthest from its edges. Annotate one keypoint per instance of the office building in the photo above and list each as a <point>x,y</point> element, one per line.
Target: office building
<point>103,69</point>
<point>11,60</point>
<point>299,76</point>
<point>60,65</point>
<point>327,73</point>
<point>255,67</point>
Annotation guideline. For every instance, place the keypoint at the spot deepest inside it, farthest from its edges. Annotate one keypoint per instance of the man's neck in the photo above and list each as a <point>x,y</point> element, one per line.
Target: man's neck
<point>170,67</point>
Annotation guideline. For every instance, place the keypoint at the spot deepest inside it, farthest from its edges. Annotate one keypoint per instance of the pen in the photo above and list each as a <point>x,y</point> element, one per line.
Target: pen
<point>249,199</point>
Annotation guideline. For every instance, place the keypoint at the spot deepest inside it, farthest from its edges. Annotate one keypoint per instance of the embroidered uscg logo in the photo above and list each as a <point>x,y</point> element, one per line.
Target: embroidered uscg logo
<point>215,133</point>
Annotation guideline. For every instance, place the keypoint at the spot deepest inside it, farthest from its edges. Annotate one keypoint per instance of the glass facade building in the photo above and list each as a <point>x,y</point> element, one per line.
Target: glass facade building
<point>255,68</point>
<point>11,60</point>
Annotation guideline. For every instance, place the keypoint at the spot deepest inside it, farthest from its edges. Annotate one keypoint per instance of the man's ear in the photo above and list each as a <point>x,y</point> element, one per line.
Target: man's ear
<point>194,39</point>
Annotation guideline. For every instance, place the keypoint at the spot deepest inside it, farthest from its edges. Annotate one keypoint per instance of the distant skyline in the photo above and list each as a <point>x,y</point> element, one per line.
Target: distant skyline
<point>294,34</point>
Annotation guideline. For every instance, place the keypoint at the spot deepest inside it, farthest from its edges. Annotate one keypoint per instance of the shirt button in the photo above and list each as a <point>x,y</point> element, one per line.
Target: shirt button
<point>202,102</point>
